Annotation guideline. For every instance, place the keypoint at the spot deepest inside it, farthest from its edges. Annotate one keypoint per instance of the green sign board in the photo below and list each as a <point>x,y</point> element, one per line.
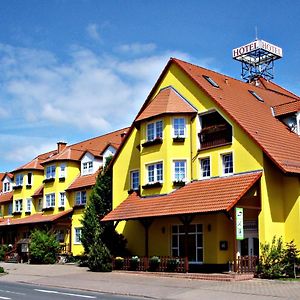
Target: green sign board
<point>239,219</point>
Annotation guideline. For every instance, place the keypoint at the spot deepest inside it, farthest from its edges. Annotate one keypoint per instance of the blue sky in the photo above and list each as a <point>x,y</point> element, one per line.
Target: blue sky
<point>75,69</point>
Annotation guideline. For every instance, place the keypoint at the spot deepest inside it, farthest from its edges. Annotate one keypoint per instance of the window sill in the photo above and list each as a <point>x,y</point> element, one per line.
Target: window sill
<point>178,139</point>
<point>79,206</point>
<point>62,179</point>
<point>178,183</point>
<point>152,185</point>
<point>157,141</point>
<point>17,187</point>
<point>47,180</point>
<point>17,213</point>
<point>48,208</point>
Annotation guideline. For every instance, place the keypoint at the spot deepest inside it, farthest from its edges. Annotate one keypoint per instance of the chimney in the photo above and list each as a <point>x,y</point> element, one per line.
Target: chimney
<point>123,134</point>
<point>61,146</point>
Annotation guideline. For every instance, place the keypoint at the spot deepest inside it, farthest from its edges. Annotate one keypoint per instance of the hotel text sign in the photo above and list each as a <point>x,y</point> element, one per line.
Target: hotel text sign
<point>239,219</point>
<point>258,44</point>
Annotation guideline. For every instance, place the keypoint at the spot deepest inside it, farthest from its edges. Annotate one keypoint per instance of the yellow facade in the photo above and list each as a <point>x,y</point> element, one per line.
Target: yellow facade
<point>279,214</point>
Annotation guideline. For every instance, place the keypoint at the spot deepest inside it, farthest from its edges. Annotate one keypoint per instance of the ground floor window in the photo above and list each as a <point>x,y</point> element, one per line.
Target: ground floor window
<point>195,242</point>
<point>77,235</point>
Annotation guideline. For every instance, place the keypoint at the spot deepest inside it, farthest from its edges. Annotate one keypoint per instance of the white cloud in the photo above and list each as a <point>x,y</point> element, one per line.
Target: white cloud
<point>93,31</point>
<point>137,48</point>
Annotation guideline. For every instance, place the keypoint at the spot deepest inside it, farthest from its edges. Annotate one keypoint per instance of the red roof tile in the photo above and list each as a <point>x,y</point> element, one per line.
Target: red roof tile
<point>6,197</point>
<point>166,101</point>
<point>95,146</point>
<point>212,195</point>
<point>287,108</point>
<point>39,191</point>
<point>84,181</point>
<point>254,116</point>
<point>35,218</point>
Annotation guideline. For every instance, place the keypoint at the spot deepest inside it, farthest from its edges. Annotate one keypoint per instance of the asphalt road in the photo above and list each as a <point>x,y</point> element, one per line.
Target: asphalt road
<point>16,291</point>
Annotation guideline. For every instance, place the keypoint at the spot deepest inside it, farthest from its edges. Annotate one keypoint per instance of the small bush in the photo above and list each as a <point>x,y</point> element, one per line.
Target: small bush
<point>119,263</point>
<point>172,264</point>
<point>154,263</point>
<point>43,247</point>
<point>134,263</point>
<point>3,250</point>
<point>99,259</point>
<point>1,270</point>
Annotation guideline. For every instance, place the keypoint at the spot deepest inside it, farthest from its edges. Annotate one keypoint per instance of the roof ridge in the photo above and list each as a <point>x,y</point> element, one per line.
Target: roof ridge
<point>282,104</point>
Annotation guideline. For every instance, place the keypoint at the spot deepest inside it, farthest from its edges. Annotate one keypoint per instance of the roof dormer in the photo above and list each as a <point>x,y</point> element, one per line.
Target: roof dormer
<point>7,184</point>
<point>90,164</point>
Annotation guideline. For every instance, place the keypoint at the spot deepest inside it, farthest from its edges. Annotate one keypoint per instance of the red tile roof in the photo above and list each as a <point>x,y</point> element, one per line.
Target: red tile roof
<point>254,116</point>
<point>35,218</point>
<point>287,108</point>
<point>6,197</point>
<point>95,146</point>
<point>39,191</point>
<point>84,181</point>
<point>167,101</point>
<point>211,195</point>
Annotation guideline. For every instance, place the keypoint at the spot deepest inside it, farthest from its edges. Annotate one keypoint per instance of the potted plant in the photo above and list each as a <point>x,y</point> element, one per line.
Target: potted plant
<point>134,263</point>
<point>172,264</point>
<point>154,262</point>
<point>119,263</point>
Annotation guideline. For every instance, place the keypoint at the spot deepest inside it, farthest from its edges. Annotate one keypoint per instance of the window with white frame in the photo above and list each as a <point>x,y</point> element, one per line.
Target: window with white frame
<point>62,172</point>
<point>40,204</point>
<point>10,208</point>
<point>179,127</point>
<point>28,205</point>
<point>135,179</point>
<point>6,187</point>
<point>205,167</point>
<point>18,205</point>
<point>179,170</point>
<point>19,179</point>
<point>155,172</point>
<point>62,199</point>
<point>50,172</point>
<point>50,200</point>
<point>80,198</point>
<point>195,238</point>
<point>77,235</point>
<point>154,130</point>
<point>87,168</point>
<point>227,162</point>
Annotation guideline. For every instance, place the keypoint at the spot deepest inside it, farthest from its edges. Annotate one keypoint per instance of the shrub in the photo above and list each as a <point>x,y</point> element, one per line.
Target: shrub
<point>1,270</point>
<point>134,263</point>
<point>43,247</point>
<point>154,263</point>
<point>119,263</point>
<point>290,259</point>
<point>99,259</point>
<point>172,264</point>
<point>3,250</point>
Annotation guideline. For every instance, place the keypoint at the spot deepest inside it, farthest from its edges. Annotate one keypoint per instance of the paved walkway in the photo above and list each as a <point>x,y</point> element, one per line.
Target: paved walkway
<point>149,286</point>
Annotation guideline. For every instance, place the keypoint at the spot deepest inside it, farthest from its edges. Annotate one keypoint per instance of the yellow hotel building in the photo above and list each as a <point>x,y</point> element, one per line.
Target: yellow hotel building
<point>51,191</point>
<point>202,145</point>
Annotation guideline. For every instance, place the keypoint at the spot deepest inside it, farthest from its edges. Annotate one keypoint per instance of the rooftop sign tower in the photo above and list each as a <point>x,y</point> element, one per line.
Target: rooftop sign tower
<point>257,59</point>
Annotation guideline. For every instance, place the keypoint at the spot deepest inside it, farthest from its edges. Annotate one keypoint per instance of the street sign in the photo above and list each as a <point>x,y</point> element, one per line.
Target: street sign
<point>239,219</point>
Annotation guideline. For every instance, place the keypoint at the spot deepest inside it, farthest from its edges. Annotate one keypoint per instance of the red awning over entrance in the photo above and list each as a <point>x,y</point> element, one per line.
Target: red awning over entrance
<point>211,195</point>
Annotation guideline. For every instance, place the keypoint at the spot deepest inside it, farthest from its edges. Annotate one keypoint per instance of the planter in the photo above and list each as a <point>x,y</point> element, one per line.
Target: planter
<point>154,263</point>
<point>17,187</point>
<point>178,139</point>
<point>134,263</point>
<point>179,183</point>
<point>152,185</point>
<point>157,141</point>
<point>47,180</point>
<point>172,264</point>
<point>119,263</point>
<point>28,186</point>
<point>62,179</point>
<point>48,209</point>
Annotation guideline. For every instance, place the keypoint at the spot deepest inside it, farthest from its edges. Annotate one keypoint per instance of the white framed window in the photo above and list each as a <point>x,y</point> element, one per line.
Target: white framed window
<point>50,172</point>
<point>18,205</point>
<point>6,187</point>
<point>19,179</point>
<point>227,163</point>
<point>62,199</point>
<point>179,170</point>
<point>155,172</point>
<point>87,167</point>
<point>154,130</point>
<point>205,167</point>
<point>80,198</point>
<point>195,237</point>
<point>62,171</point>
<point>40,204</point>
<point>10,209</point>
<point>179,127</point>
<point>50,200</point>
<point>28,204</point>
<point>135,180</point>
<point>77,235</point>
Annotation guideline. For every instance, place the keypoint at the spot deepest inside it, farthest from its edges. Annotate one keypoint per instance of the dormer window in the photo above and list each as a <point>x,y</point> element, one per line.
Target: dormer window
<point>154,130</point>
<point>50,172</point>
<point>87,168</point>
<point>6,187</point>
